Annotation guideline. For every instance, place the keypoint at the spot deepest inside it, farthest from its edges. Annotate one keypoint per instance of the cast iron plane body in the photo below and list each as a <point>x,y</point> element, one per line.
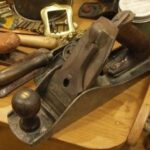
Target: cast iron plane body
<point>71,79</point>
<point>68,84</point>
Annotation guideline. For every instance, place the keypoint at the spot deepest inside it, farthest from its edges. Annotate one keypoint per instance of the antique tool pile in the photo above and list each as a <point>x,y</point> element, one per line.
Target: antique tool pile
<point>47,25</point>
<point>27,16</point>
<point>78,67</point>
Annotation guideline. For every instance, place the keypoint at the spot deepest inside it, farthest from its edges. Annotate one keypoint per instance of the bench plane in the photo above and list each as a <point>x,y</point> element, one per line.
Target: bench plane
<point>71,85</point>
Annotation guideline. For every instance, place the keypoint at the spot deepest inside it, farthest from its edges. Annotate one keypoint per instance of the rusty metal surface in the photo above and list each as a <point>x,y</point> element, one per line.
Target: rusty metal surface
<point>62,88</point>
<point>52,28</point>
<point>7,89</point>
<point>26,14</point>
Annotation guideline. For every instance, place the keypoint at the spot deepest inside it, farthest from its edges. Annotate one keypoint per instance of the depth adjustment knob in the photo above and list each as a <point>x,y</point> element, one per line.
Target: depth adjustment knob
<point>26,103</point>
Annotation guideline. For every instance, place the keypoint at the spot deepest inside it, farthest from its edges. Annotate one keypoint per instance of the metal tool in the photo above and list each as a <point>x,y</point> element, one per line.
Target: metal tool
<point>22,23</point>
<point>5,90</point>
<point>10,59</point>
<point>31,19</point>
<point>93,10</point>
<point>20,69</point>
<point>5,10</point>
<point>59,92</point>
<point>27,13</point>
<point>127,75</point>
<point>5,63</point>
<point>51,28</point>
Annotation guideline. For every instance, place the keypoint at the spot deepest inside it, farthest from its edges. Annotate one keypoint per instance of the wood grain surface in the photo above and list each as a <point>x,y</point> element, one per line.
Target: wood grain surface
<point>141,118</point>
<point>106,127</point>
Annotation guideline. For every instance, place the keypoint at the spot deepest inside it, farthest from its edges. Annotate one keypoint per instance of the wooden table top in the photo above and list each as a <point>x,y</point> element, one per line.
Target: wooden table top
<point>106,127</point>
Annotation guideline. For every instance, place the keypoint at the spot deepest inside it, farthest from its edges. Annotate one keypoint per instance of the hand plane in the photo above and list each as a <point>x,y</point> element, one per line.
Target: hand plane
<point>62,91</point>
<point>56,101</point>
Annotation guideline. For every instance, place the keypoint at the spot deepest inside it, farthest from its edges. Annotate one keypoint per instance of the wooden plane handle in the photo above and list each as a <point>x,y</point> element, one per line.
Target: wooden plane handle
<point>136,40</point>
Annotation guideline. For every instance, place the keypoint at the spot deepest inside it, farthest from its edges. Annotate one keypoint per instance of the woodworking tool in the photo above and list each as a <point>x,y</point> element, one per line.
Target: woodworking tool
<point>31,9</point>
<point>51,28</point>
<point>7,89</point>
<point>141,11</point>
<point>38,41</point>
<point>5,10</point>
<point>57,98</point>
<point>9,41</point>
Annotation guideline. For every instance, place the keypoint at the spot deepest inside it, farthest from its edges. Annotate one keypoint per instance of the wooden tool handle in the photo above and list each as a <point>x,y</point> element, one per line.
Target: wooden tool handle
<point>22,68</point>
<point>8,42</point>
<point>38,41</point>
<point>140,121</point>
<point>136,40</point>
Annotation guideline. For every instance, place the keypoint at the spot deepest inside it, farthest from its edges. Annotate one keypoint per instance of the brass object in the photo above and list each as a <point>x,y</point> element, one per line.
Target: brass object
<point>30,9</point>
<point>57,8</point>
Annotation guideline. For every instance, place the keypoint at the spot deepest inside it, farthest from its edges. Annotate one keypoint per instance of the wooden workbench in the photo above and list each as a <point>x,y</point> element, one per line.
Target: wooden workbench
<point>106,127</point>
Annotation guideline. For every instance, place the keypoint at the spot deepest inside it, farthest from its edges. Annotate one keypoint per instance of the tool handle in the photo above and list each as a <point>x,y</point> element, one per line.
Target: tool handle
<point>86,61</point>
<point>22,68</point>
<point>38,41</point>
<point>136,40</point>
<point>8,42</point>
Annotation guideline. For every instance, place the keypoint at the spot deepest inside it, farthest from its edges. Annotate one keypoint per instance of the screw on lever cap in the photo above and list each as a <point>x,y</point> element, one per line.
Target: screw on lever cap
<point>26,103</point>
